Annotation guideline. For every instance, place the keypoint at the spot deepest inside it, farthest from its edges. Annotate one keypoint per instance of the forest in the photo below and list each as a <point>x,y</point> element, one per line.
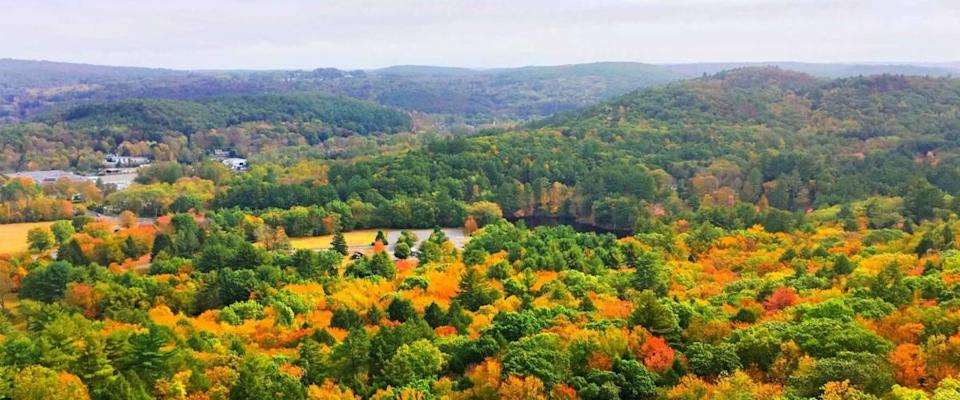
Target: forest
<point>766,234</point>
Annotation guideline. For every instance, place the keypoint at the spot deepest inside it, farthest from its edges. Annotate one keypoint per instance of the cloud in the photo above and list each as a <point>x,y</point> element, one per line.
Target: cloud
<point>365,33</point>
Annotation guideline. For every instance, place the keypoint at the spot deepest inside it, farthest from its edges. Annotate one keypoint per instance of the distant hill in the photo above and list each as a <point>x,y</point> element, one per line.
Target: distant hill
<point>187,117</point>
<point>77,136</point>
<point>18,75</point>
<point>822,70</point>
<point>474,96</point>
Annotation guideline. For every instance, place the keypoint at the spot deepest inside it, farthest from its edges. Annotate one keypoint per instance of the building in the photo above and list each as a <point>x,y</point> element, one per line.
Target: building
<point>113,160</point>
<point>236,164</point>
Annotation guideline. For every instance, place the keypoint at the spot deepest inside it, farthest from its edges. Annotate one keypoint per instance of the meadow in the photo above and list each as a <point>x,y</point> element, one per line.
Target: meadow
<point>13,237</point>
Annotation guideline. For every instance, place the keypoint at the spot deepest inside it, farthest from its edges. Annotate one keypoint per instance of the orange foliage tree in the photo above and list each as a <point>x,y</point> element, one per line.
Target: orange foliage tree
<point>909,364</point>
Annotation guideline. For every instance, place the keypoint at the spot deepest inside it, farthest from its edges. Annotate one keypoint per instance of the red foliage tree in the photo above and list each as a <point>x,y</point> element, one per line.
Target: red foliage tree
<point>781,298</point>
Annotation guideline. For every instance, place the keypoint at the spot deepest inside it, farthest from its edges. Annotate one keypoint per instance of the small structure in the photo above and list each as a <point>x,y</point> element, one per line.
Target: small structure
<point>236,164</point>
<point>113,160</point>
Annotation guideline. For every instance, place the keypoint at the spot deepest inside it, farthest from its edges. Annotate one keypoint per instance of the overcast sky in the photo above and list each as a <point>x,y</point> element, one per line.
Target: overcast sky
<point>256,34</point>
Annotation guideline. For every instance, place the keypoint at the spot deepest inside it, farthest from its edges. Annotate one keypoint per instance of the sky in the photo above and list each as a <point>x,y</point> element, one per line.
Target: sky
<point>282,34</point>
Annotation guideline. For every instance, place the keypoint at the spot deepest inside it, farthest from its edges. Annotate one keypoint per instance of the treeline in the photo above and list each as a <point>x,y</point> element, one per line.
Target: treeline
<point>153,117</point>
<point>22,200</point>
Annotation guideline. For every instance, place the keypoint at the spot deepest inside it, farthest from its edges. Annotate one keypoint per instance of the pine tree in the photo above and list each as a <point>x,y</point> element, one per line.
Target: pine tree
<point>433,315</point>
<point>339,243</point>
<point>380,237</point>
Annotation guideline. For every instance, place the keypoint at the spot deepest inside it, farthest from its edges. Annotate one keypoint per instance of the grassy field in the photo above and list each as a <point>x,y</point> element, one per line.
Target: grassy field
<point>13,237</point>
<point>354,238</point>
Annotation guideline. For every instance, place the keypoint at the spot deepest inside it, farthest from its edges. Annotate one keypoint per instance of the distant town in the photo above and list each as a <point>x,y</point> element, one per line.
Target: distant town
<point>119,171</point>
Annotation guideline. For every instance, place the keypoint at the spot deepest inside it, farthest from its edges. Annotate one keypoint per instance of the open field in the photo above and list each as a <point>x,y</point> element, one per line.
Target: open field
<point>360,239</point>
<point>357,238</point>
<point>13,237</point>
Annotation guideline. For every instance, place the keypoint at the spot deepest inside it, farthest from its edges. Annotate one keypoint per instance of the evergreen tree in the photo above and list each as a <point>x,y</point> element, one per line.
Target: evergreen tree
<point>339,243</point>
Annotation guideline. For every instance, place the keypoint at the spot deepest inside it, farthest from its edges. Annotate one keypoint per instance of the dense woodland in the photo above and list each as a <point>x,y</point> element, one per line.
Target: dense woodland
<point>775,235</point>
<point>186,131</point>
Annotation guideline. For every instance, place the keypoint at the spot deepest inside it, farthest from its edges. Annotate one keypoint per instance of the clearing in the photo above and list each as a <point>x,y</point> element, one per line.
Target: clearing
<point>361,239</point>
<point>13,237</point>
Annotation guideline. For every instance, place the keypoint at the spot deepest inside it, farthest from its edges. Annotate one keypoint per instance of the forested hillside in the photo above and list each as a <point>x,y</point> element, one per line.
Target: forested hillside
<point>78,137</point>
<point>471,96</point>
<point>753,140</point>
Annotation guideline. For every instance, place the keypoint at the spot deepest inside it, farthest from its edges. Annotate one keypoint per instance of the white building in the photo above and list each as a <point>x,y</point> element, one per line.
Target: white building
<point>236,164</point>
<point>114,160</point>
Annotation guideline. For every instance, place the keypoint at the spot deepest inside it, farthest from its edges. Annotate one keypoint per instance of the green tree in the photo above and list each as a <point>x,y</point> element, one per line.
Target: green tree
<point>708,360</point>
<point>381,237</point>
<point>47,283</point>
<point>401,250</point>
<point>339,243</point>
<point>261,378</point>
<point>889,285</point>
<point>414,361</point>
<point>869,372</point>
<point>638,382</point>
<point>62,231</point>
<point>40,239</point>
<point>474,291</point>
<point>147,357</point>
<point>656,317</point>
<point>401,310</point>
<point>921,200</point>
<point>351,360</point>
<point>541,355</point>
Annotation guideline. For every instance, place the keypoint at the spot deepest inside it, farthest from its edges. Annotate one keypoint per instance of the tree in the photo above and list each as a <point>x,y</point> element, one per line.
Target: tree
<point>869,372</point>
<point>72,253</point>
<point>414,361</point>
<point>781,298</point>
<point>339,243</point>
<point>470,225</point>
<point>62,231</point>
<point>921,200</point>
<point>656,317</point>
<point>757,346</point>
<point>908,364</point>
<point>128,219</point>
<point>657,354</point>
<point>638,382</point>
<point>522,388</point>
<point>39,239</point>
<point>433,315</point>
<point>890,286</point>
<point>649,272</point>
<point>409,238</point>
<point>484,212</point>
<point>351,360</point>
<point>401,310</point>
<point>46,283</point>
<point>708,360</point>
<point>7,284</point>
<point>401,250</point>
<point>261,378</point>
<point>381,237</point>
<point>429,252</point>
<point>474,291</point>
<point>541,355</point>
<point>40,383</point>
<point>147,356</point>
